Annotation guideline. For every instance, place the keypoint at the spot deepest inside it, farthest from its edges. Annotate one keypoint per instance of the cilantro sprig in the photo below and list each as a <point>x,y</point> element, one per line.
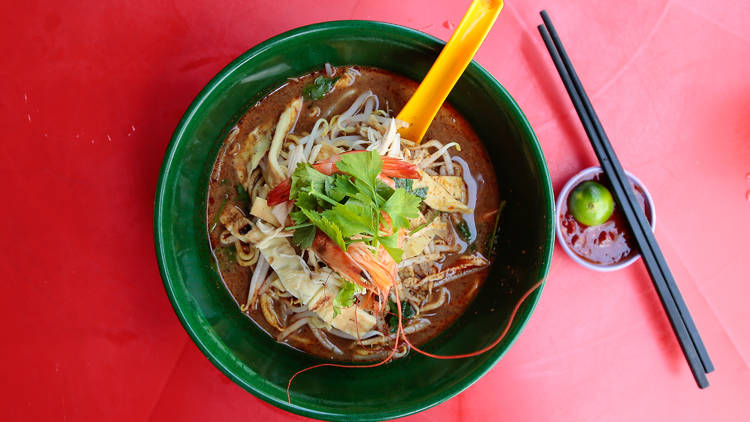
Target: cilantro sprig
<point>406,312</point>
<point>349,207</point>
<point>345,297</point>
<point>319,88</point>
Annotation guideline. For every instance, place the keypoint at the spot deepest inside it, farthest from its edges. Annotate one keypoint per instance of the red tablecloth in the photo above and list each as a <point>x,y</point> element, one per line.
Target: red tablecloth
<point>91,91</point>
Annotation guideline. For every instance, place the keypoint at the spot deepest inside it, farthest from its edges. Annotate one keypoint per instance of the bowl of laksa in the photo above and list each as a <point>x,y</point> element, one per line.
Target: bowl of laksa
<point>325,263</point>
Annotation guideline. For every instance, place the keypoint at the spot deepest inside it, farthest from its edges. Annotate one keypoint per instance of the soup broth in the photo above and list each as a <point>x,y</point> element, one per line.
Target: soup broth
<point>471,232</point>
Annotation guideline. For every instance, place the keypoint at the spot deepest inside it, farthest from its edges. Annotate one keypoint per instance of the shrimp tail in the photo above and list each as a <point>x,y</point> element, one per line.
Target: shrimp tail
<point>394,167</point>
<point>381,267</point>
<point>375,272</point>
<point>340,260</point>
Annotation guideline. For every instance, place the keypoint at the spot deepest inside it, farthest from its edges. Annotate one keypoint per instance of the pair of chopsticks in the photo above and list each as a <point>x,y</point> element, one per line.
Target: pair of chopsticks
<point>679,316</point>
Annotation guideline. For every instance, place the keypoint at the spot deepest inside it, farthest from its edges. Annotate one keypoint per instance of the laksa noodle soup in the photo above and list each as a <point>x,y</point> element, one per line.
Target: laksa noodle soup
<point>327,225</point>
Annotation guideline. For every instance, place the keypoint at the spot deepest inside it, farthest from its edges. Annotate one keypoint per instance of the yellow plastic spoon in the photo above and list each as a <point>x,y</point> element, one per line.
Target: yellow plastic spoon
<point>450,64</point>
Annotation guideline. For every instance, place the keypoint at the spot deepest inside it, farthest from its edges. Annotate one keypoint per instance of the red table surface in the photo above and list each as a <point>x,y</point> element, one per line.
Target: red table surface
<point>91,91</point>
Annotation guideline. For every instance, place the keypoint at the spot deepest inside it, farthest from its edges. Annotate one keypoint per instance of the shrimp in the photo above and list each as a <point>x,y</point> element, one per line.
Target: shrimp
<point>375,272</point>
<point>392,167</point>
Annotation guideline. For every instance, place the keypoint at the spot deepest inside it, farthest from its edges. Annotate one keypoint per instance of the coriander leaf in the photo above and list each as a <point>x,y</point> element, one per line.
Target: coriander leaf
<point>392,306</point>
<point>390,244</point>
<point>352,218</point>
<point>364,166</point>
<point>345,296</point>
<point>493,234</point>
<point>401,206</point>
<point>326,226</point>
<point>383,190</point>
<point>308,186</point>
<point>463,230</point>
<point>323,199</point>
<point>304,236</point>
<point>299,226</point>
<point>306,179</point>
<point>319,88</point>
<point>364,194</point>
<point>298,216</point>
<point>305,201</point>
<point>406,312</point>
<point>339,186</point>
<point>218,214</point>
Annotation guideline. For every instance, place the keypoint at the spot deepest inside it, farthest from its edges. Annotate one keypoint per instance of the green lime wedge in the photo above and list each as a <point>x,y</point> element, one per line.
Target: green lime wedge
<point>591,203</point>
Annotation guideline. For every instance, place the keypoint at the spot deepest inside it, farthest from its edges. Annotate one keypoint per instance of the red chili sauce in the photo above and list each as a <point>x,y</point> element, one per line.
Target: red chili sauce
<point>608,243</point>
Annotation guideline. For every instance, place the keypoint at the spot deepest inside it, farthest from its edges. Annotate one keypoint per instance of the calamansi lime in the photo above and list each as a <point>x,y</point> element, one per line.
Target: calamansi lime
<point>591,203</point>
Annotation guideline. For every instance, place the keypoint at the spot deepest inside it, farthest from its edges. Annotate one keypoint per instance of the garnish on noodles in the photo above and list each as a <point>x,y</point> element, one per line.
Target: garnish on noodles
<point>340,238</point>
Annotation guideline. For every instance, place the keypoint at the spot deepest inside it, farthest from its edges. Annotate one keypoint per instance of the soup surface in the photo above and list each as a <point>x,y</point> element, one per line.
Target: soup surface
<point>446,247</point>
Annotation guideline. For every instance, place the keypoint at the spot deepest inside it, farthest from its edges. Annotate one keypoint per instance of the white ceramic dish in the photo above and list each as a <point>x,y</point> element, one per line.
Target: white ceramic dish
<point>587,174</point>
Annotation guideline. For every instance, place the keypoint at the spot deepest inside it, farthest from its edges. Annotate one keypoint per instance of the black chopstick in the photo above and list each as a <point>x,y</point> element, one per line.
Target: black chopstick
<point>641,217</point>
<point>674,304</point>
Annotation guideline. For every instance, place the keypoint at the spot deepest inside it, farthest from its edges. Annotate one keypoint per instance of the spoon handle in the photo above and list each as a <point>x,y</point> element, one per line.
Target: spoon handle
<point>450,64</point>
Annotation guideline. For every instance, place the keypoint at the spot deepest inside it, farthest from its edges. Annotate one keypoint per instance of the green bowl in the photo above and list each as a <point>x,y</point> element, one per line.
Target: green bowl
<point>249,356</point>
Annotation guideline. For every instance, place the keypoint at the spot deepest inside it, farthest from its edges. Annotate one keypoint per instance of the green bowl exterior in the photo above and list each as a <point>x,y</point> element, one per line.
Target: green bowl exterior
<point>254,360</point>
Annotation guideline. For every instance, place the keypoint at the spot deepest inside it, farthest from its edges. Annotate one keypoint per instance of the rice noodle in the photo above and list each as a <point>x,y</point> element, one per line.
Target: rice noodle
<point>296,156</point>
<point>226,238</point>
<point>390,137</point>
<point>259,274</point>
<point>339,333</point>
<point>270,233</point>
<point>292,328</point>
<point>307,142</point>
<point>413,327</point>
<point>367,354</point>
<point>354,108</point>
<point>303,314</point>
<point>353,71</point>
<point>440,152</point>
<point>298,309</point>
<point>246,255</point>
<point>345,140</point>
<point>267,283</point>
<point>340,100</point>
<point>325,341</point>
<point>444,292</point>
<point>314,153</point>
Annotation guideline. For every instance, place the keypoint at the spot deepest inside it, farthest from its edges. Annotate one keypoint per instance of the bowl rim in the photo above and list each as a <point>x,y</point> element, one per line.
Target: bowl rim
<point>198,102</point>
<point>562,196</point>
